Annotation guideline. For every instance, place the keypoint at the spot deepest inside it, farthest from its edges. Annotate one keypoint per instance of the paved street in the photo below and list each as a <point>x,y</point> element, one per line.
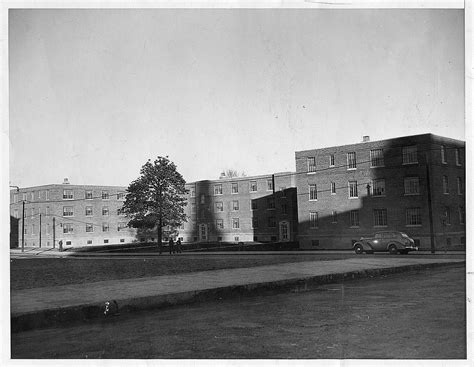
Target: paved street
<point>413,315</point>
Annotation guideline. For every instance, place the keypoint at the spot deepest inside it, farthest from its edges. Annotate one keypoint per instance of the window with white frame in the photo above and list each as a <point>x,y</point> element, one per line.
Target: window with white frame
<point>105,210</point>
<point>313,192</point>
<point>271,222</point>
<point>378,187</point>
<point>376,158</point>
<point>313,219</point>
<point>235,223</point>
<point>457,152</point>
<point>354,218</point>
<point>331,160</point>
<point>351,160</point>
<point>105,195</point>
<point>15,198</point>
<point>88,194</point>
<point>311,164</point>
<point>120,196</point>
<point>253,186</point>
<point>269,184</point>
<point>445,185</point>
<point>121,226</point>
<point>105,227</point>
<point>380,217</point>
<point>333,188</point>
<point>353,189</point>
<point>32,196</point>
<point>219,206</point>
<point>443,154</point>
<point>89,227</point>
<point>68,194</point>
<point>68,228</point>
<point>413,216</point>
<point>235,188</point>
<point>218,189</point>
<point>68,211</point>
<point>235,205</point>
<point>46,195</point>
<point>409,154</point>
<point>220,223</point>
<point>411,185</point>
<point>460,185</point>
<point>89,211</point>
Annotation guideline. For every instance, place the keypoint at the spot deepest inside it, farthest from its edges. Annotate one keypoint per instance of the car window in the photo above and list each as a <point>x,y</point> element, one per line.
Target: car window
<point>378,235</point>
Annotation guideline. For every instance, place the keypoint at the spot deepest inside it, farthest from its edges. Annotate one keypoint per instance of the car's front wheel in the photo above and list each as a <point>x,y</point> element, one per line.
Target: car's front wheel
<point>358,249</point>
<point>392,249</point>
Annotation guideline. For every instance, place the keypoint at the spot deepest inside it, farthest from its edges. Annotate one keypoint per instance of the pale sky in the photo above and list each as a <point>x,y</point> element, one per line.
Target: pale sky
<point>94,94</point>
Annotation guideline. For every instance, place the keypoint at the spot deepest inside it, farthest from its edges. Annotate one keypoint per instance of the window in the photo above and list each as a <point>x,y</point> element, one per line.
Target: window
<point>193,192</point>
<point>460,186</point>
<point>46,210</point>
<point>353,189</point>
<point>89,194</point>
<point>376,158</point>
<point>120,196</point>
<point>445,185</point>
<point>446,216</point>
<point>313,220</point>
<point>67,228</point>
<point>413,216</point>
<point>47,194</point>
<point>121,225</point>
<point>39,194</point>
<point>378,187</point>
<point>269,184</point>
<point>354,218</point>
<point>331,160</point>
<point>15,198</point>
<point>105,195</point>
<point>253,186</point>
<point>105,227</point>
<point>253,204</point>
<point>315,243</point>
<point>235,205</point>
<point>284,208</point>
<point>457,152</point>
<point>68,194</point>
<point>32,229</point>
<point>462,215</point>
<point>106,241</point>
<point>219,223</point>
<point>334,216</point>
<point>119,211</point>
<point>380,217</point>
<point>89,227</point>
<point>89,211</point>
<point>193,207</point>
<point>122,240</point>
<point>105,210</point>
<point>32,196</point>
<point>443,154</point>
<point>219,206</point>
<point>235,188</point>
<point>351,160</point>
<point>409,154</point>
<point>333,188</point>
<point>311,164</point>
<point>218,189</point>
<point>254,222</point>
<point>271,203</point>
<point>235,223</point>
<point>412,186</point>
<point>68,211</point>
<point>271,222</point>
<point>313,193</point>
<point>203,198</point>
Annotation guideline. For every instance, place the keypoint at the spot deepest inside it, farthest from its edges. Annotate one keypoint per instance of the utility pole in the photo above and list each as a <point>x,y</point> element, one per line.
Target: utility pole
<point>54,232</point>
<point>23,228</point>
<point>40,231</point>
<point>430,206</point>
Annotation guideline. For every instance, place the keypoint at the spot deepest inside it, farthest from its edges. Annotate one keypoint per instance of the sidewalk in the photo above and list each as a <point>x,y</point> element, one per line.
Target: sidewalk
<point>38,307</point>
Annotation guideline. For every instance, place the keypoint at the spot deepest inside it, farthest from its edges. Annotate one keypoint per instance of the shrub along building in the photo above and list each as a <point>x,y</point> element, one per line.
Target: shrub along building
<point>412,184</point>
<point>258,208</point>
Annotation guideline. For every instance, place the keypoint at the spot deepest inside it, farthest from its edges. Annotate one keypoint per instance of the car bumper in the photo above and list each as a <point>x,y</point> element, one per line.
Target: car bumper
<point>411,248</point>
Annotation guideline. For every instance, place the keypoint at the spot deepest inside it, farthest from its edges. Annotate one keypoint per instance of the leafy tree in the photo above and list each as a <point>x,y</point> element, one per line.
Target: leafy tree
<point>156,198</point>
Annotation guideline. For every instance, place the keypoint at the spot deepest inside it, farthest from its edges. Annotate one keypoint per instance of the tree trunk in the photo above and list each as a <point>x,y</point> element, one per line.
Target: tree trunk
<point>160,232</point>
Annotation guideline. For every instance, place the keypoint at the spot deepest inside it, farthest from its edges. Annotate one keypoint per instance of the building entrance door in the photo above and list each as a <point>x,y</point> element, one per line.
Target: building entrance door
<point>202,232</point>
<point>284,231</point>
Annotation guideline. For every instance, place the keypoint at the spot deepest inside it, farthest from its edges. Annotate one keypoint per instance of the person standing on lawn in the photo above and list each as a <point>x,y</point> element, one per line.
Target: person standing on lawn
<point>171,245</point>
<point>178,246</point>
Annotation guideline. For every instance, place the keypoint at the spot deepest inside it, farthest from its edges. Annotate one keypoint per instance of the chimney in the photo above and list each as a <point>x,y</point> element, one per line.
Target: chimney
<point>222,175</point>
<point>66,181</point>
<point>365,138</point>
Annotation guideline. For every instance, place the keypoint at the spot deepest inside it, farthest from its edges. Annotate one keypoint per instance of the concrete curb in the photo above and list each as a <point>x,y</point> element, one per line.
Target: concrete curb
<point>90,311</point>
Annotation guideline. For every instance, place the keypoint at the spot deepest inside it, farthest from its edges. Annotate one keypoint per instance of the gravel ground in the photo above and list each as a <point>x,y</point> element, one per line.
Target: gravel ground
<point>416,315</point>
<point>43,272</point>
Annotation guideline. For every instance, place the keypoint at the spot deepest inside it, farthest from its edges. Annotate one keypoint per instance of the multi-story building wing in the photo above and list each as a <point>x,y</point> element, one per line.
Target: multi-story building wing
<point>83,215</point>
<point>413,184</point>
<point>258,208</point>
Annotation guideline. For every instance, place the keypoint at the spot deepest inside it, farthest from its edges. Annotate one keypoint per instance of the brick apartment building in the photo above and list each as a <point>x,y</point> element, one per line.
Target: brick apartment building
<point>242,209</point>
<point>413,184</point>
<point>82,214</point>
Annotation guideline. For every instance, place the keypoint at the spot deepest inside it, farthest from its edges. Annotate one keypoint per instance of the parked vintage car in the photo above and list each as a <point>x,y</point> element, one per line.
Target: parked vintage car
<point>391,241</point>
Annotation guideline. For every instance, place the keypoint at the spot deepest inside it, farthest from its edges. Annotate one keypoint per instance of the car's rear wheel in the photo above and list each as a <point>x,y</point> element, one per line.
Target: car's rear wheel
<point>392,249</point>
<point>358,249</point>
